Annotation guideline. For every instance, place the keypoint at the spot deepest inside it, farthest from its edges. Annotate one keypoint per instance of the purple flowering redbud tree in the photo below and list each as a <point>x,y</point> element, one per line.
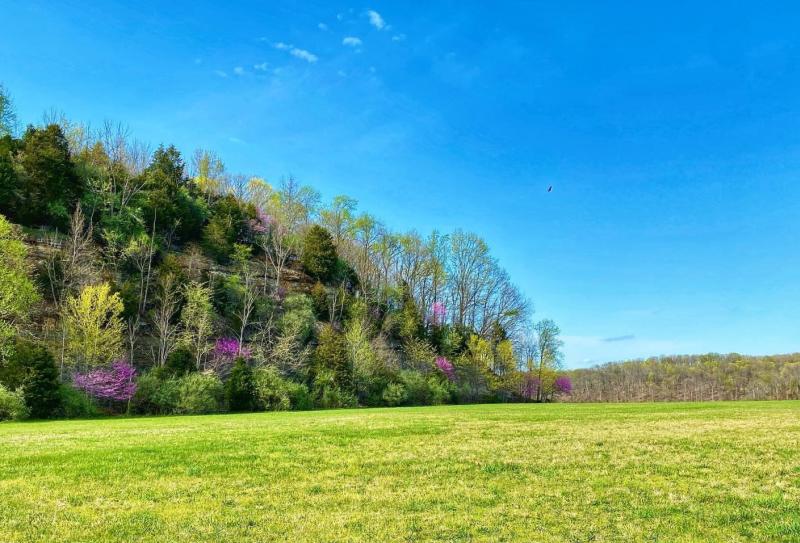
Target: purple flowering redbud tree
<point>439,311</point>
<point>117,383</point>
<point>446,367</point>
<point>563,385</point>
<point>262,222</point>
<point>225,352</point>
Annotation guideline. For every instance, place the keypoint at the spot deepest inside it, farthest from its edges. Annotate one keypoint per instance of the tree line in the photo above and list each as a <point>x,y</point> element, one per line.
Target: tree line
<point>138,281</point>
<point>690,378</point>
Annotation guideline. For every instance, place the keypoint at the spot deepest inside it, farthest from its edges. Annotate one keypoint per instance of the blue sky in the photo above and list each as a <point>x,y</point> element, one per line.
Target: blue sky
<point>669,132</point>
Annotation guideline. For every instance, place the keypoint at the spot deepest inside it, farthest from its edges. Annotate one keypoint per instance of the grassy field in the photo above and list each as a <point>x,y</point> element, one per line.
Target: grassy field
<point>652,472</point>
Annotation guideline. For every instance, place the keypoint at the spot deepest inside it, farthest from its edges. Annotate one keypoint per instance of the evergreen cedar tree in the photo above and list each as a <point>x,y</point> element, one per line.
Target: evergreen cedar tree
<point>331,355</point>
<point>168,203</point>
<point>319,254</point>
<point>239,391</point>
<point>31,367</point>
<point>45,186</point>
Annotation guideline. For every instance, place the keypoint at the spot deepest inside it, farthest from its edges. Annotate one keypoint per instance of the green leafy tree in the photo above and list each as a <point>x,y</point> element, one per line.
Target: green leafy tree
<point>319,254</point>
<point>18,294</point>
<point>546,356</point>
<point>407,322</point>
<point>197,322</point>
<point>338,218</point>
<point>370,374</point>
<point>8,117</point>
<point>94,326</point>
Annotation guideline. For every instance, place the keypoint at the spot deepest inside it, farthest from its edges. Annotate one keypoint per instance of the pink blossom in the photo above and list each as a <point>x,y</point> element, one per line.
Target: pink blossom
<point>446,367</point>
<point>228,348</point>
<point>530,387</point>
<point>262,222</point>
<point>563,384</point>
<point>439,312</point>
<point>114,383</point>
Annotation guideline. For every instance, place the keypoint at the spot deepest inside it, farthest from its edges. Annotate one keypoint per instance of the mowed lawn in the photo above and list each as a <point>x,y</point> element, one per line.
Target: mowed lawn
<point>562,472</point>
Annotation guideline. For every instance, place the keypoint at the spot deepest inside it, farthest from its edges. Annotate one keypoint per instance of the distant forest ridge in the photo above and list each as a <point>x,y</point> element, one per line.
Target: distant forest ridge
<point>703,377</point>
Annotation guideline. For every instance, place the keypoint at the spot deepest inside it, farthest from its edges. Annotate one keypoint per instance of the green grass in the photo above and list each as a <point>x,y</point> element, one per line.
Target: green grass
<point>636,472</point>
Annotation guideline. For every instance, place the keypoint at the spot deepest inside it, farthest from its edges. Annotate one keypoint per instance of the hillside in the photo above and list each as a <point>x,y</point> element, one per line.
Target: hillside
<point>143,281</point>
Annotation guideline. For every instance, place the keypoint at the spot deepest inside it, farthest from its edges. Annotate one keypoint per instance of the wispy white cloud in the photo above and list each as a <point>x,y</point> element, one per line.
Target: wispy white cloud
<point>339,16</point>
<point>234,139</point>
<point>261,67</point>
<point>296,52</point>
<point>351,41</point>
<point>399,37</point>
<point>322,26</point>
<point>375,19</point>
<point>220,73</point>
<point>239,70</point>
<point>305,55</point>
<point>341,73</point>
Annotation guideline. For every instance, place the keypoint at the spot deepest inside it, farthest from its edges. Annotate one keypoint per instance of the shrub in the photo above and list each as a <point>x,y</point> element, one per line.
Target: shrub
<point>155,395</point>
<point>319,295</point>
<point>300,397</point>
<point>12,404</point>
<point>329,394</point>
<point>179,363</point>
<point>75,404</point>
<point>424,390</point>
<point>272,392</point>
<point>439,393</point>
<point>199,393</point>
<point>239,395</point>
<point>394,394</point>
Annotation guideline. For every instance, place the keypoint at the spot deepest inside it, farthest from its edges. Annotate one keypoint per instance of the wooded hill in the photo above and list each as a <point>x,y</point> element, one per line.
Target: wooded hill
<point>690,378</point>
<point>210,291</point>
